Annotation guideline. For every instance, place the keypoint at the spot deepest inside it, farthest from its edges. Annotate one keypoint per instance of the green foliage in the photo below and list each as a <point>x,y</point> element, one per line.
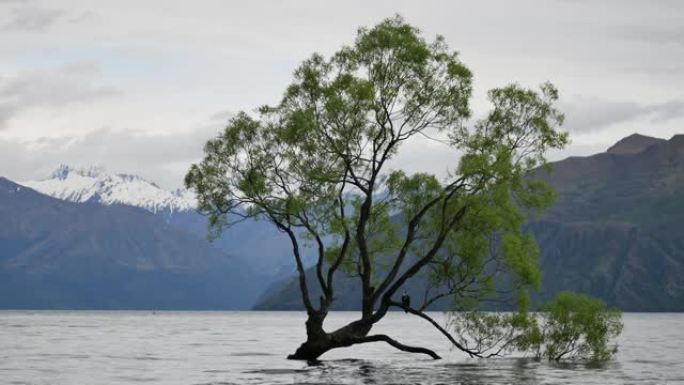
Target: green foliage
<point>573,326</point>
<point>495,334</point>
<point>577,325</point>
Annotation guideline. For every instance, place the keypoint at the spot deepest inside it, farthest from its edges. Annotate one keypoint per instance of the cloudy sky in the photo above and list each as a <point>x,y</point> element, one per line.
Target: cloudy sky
<point>139,86</point>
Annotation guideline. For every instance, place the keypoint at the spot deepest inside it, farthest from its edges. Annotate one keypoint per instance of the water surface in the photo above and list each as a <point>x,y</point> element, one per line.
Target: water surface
<point>89,348</point>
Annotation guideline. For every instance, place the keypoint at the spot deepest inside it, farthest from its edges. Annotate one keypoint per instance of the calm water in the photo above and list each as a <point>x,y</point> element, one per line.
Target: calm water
<point>250,348</point>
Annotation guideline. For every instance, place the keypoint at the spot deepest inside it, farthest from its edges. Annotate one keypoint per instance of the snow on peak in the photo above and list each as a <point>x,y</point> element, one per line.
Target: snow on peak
<point>63,171</point>
<point>95,184</point>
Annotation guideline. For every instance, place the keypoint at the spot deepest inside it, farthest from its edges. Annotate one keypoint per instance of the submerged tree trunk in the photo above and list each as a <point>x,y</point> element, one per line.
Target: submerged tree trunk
<point>319,342</point>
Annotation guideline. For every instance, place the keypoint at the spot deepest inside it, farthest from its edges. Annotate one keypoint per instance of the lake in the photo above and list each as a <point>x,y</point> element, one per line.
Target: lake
<point>123,347</point>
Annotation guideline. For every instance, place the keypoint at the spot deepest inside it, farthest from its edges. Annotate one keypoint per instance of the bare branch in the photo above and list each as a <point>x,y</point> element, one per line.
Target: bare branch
<point>434,323</point>
<point>396,344</point>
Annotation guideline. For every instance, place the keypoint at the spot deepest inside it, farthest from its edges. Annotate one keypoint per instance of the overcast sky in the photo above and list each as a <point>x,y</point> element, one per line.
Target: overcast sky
<point>139,86</point>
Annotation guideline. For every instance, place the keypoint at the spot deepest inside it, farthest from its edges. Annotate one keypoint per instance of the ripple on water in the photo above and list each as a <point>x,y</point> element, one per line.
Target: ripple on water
<point>137,379</point>
<point>248,354</point>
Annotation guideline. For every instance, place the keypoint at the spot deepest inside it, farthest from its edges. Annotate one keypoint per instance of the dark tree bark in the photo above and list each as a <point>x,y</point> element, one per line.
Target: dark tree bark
<point>319,342</point>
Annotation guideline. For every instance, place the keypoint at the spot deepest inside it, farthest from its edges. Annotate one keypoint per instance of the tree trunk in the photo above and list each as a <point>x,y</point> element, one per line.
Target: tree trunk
<point>319,342</point>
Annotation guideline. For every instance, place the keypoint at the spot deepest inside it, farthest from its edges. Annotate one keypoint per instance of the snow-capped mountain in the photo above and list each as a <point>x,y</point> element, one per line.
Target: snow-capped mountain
<point>267,248</point>
<point>56,254</point>
<point>95,184</point>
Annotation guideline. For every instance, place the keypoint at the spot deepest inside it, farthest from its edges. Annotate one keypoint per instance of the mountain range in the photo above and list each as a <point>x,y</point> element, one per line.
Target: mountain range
<point>95,184</point>
<point>88,239</point>
<point>57,254</point>
<point>85,238</point>
<point>617,229</point>
<point>265,249</point>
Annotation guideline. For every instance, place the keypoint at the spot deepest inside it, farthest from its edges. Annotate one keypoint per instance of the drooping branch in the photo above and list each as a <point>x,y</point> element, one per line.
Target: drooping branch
<point>396,344</point>
<point>466,276</point>
<point>434,323</point>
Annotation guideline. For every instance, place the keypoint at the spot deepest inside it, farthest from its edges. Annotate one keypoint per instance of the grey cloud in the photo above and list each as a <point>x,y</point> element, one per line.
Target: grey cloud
<point>83,17</point>
<point>241,56</point>
<point>49,88</point>
<point>592,115</point>
<point>667,111</point>
<point>654,34</point>
<point>143,147</point>
<point>162,158</point>
<point>222,116</point>
<point>31,19</point>
<point>6,113</point>
<point>667,70</point>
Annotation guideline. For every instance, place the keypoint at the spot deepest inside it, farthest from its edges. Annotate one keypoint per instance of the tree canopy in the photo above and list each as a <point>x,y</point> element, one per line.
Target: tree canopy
<point>317,166</point>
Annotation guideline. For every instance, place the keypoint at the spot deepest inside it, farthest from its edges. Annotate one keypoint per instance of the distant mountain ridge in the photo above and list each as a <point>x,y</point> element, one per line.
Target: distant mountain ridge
<point>95,184</point>
<point>642,188</point>
<point>57,254</point>
<point>634,144</point>
<point>268,250</point>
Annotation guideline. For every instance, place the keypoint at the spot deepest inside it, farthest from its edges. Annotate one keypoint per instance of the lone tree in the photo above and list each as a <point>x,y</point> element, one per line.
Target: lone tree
<point>316,167</point>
